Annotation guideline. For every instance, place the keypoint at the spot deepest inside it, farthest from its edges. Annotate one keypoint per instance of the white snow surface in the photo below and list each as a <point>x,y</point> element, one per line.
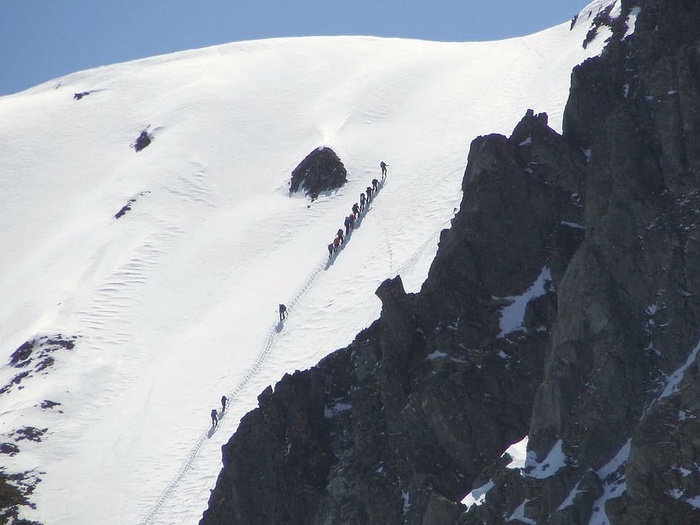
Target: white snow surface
<point>174,304</point>
<point>612,476</point>
<point>513,315</point>
<point>478,495</point>
<point>519,514</point>
<point>518,453</point>
<point>555,460</point>
<point>674,380</point>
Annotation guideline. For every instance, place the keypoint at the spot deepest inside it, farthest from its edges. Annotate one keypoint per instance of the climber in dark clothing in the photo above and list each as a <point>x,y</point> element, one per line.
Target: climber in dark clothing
<point>348,225</point>
<point>283,312</point>
<point>223,403</point>
<point>341,236</point>
<point>362,201</point>
<point>383,165</point>
<point>356,209</point>
<point>368,191</point>
<point>214,417</point>
<point>375,185</point>
<point>331,249</point>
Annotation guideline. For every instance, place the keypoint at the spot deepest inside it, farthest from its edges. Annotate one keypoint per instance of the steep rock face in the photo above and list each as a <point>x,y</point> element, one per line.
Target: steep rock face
<point>320,171</point>
<point>627,305</point>
<point>596,231</point>
<point>290,462</point>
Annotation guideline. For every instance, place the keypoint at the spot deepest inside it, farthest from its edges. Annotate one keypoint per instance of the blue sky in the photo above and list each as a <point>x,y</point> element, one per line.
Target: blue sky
<point>45,39</point>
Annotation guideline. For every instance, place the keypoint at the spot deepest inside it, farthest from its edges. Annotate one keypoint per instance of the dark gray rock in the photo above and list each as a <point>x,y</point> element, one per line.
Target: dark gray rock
<point>129,203</point>
<point>142,141</point>
<point>321,171</point>
<point>662,474</point>
<point>35,357</point>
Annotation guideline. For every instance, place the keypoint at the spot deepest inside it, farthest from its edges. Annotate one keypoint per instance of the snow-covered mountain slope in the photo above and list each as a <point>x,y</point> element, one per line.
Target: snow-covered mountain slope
<point>174,304</point>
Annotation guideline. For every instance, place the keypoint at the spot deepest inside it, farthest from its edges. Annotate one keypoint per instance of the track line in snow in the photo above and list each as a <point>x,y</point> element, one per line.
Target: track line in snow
<point>242,383</point>
<point>233,394</point>
<point>381,225</point>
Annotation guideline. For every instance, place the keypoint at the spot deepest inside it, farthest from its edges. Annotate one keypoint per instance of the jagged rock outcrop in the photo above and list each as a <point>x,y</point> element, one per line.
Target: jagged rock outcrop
<point>596,230</point>
<point>628,305</point>
<point>320,171</point>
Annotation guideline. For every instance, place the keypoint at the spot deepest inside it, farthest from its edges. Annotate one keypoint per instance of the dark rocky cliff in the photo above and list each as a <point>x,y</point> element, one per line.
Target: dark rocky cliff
<point>601,373</point>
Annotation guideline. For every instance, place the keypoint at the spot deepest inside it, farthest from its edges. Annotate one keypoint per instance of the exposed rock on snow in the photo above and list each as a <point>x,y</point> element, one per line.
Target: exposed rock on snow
<point>35,356</point>
<point>321,171</point>
<point>142,141</point>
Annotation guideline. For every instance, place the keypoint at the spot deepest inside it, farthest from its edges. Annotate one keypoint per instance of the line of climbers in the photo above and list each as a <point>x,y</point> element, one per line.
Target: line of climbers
<point>215,414</point>
<point>341,237</point>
